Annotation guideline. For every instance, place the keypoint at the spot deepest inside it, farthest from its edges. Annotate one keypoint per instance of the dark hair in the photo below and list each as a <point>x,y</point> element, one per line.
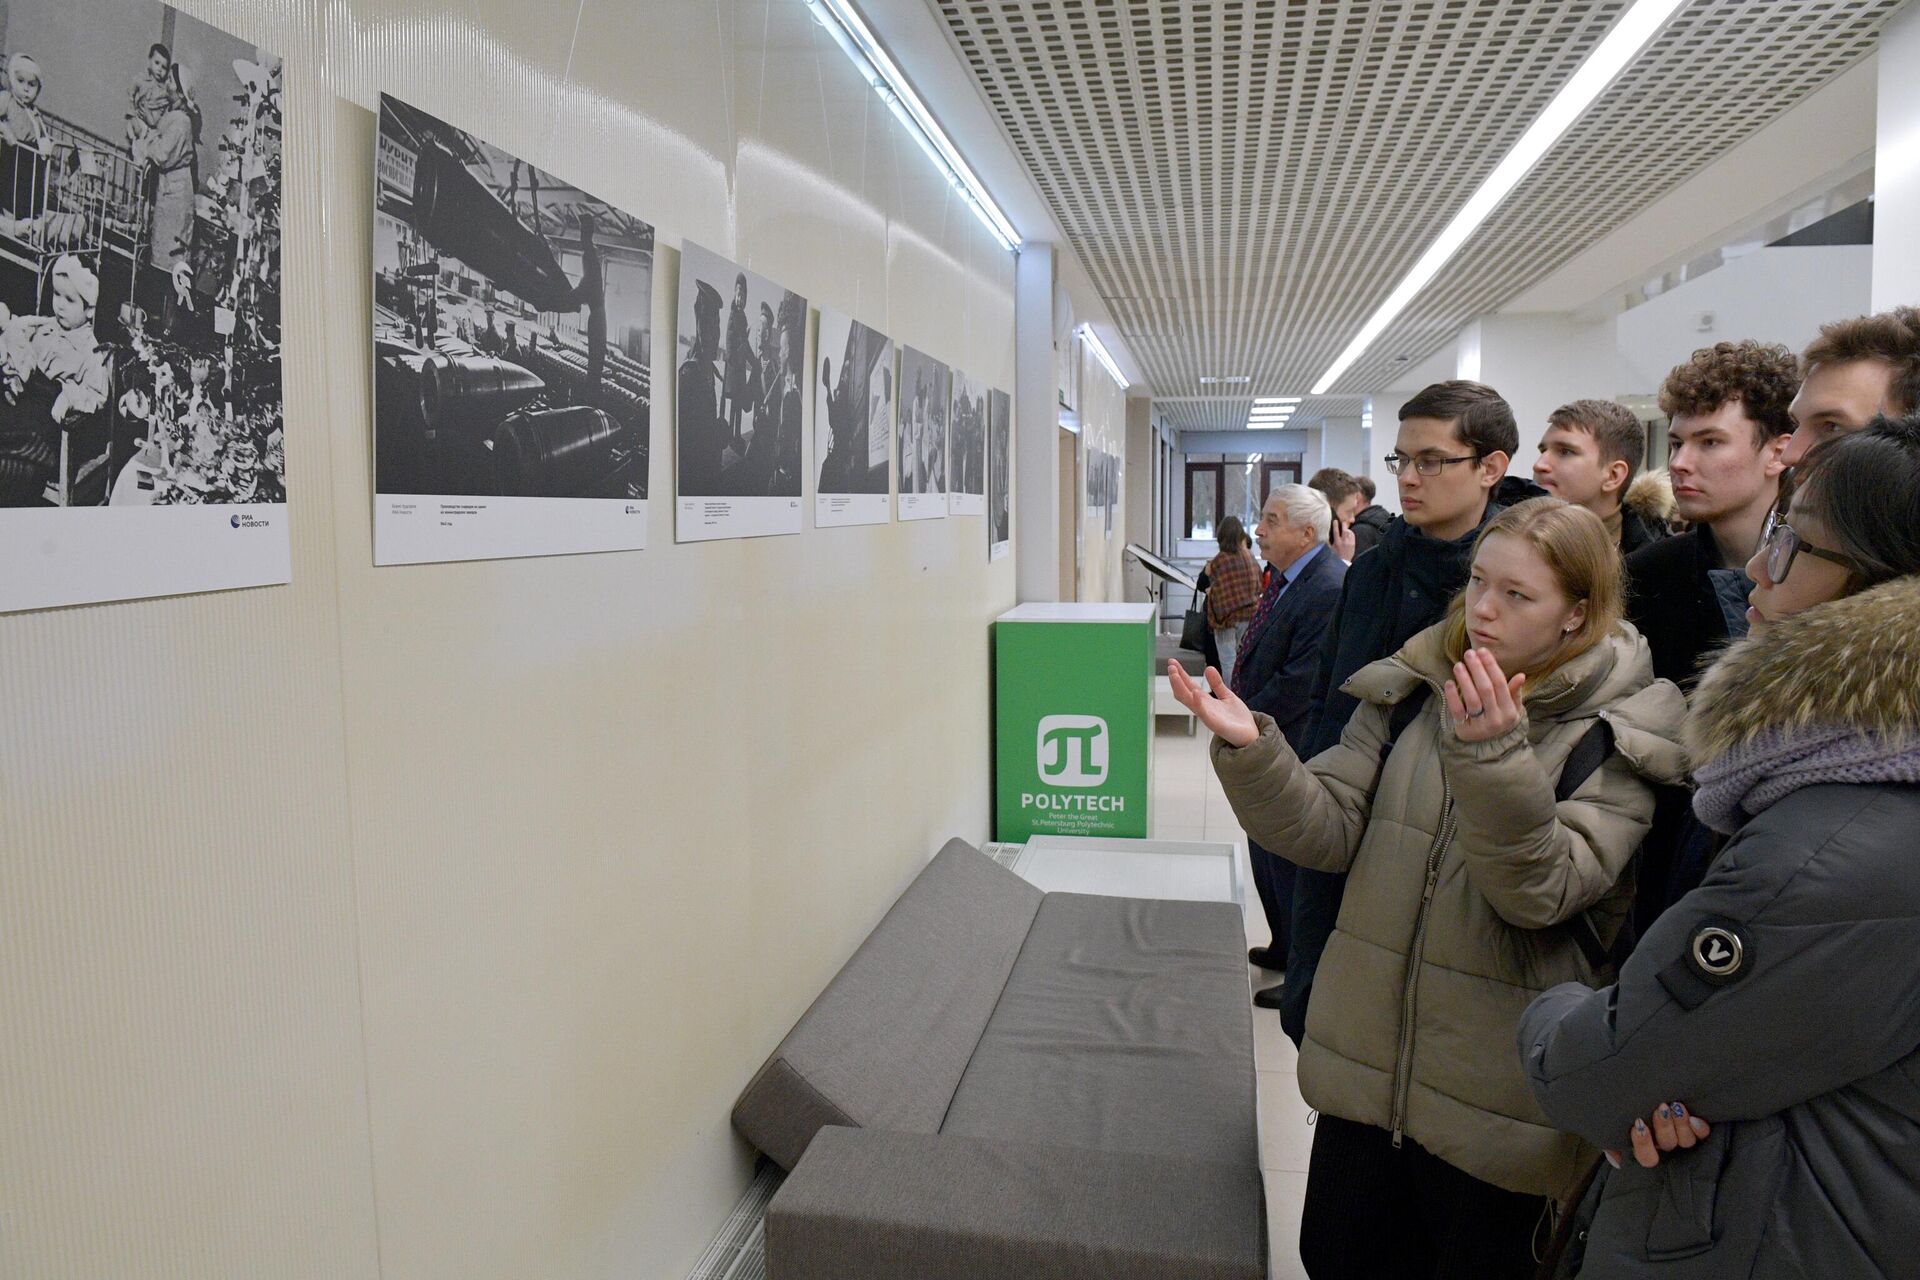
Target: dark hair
<point>1865,487</point>
<point>160,49</point>
<point>1621,436</point>
<point>1231,535</point>
<point>1892,337</point>
<point>1367,488</point>
<point>1481,419</point>
<point>1762,376</point>
<point>1334,484</point>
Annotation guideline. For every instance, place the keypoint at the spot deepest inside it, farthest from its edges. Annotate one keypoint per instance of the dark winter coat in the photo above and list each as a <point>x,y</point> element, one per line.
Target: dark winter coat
<point>1368,528</point>
<point>1805,1057</point>
<point>1278,661</point>
<point>1670,599</point>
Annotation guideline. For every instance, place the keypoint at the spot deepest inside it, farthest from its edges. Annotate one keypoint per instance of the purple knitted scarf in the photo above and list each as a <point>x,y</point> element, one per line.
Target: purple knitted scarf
<point>1772,766</point>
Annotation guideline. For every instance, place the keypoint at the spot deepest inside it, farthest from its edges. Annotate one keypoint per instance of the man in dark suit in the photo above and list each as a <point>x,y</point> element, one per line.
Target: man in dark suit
<point>1279,658</point>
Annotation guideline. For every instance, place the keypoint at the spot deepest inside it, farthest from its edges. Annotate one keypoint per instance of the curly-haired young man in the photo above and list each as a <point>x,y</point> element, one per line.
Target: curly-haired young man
<point>1729,424</point>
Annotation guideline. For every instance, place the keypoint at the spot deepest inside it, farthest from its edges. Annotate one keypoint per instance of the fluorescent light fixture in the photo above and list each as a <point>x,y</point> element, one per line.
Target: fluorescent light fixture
<point>1226,379</point>
<point>850,31</point>
<point>1261,402</point>
<point>1627,38</point>
<point>1092,340</point>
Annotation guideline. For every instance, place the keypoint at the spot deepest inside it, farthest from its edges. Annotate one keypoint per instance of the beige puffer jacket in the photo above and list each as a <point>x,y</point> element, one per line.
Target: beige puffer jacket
<point>1466,883</point>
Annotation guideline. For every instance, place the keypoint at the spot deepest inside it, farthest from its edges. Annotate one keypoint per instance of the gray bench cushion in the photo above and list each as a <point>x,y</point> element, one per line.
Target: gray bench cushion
<point>886,1042</point>
<point>1125,1026</point>
<point>870,1205</point>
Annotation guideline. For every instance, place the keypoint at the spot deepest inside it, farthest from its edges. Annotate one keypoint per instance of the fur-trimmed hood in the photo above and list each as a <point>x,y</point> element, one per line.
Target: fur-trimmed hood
<point>1851,663</point>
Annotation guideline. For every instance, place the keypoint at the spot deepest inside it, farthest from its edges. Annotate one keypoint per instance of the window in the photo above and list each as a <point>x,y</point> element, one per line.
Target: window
<point>1275,474</point>
<point>1203,498</point>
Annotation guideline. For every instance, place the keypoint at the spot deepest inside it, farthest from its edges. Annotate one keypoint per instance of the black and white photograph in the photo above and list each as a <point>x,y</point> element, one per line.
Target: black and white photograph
<point>852,422</point>
<point>1103,485</point>
<point>142,436</point>
<point>512,349</point>
<point>967,447</point>
<point>999,474</point>
<point>742,397</point>
<point>926,388</point>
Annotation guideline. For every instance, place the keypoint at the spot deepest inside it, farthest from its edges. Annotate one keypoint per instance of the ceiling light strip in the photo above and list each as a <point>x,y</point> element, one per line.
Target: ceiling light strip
<point>1100,353</point>
<point>1605,63</point>
<point>849,30</point>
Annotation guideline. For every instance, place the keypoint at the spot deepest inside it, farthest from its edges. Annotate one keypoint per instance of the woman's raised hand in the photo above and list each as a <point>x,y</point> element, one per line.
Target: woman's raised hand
<point>1482,702</point>
<point>1221,710</point>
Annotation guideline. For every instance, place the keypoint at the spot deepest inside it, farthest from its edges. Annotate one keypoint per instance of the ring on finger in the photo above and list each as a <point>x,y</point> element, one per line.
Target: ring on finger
<point>1475,715</point>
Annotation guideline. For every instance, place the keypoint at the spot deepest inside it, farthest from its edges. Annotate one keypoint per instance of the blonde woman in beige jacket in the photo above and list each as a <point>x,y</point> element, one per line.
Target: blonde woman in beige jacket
<point>1468,882</point>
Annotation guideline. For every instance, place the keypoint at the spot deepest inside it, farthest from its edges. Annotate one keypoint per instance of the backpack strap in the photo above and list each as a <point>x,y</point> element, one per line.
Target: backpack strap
<point>1404,713</point>
<point>1588,754</point>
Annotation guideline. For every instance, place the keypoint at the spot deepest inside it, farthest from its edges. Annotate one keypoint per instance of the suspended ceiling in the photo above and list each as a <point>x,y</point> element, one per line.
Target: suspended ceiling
<point>1245,181</point>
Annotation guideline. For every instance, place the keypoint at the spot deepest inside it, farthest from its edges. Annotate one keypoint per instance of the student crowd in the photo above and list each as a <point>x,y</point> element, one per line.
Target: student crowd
<point>1581,811</point>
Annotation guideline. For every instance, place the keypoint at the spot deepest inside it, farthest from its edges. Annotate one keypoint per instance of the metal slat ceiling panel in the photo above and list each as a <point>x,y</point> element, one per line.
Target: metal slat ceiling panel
<point>1245,181</point>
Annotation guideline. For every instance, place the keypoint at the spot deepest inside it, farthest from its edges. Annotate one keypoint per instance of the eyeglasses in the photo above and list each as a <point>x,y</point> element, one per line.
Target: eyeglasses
<point>1427,464</point>
<point>1782,543</point>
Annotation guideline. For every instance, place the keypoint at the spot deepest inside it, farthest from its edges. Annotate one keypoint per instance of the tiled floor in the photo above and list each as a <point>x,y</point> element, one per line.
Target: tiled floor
<point>1189,805</point>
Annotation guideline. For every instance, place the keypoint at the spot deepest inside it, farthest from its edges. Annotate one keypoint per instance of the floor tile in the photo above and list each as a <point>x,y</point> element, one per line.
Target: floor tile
<point>1272,1051</point>
<point>1285,1136</point>
<point>1286,1193</point>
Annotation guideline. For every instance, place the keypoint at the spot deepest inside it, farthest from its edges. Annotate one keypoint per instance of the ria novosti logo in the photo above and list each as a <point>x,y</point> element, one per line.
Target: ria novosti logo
<point>1072,751</point>
<point>241,520</point>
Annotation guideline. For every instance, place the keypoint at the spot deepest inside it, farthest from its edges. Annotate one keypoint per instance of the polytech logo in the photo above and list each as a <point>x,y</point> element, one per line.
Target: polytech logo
<point>1072,751</point>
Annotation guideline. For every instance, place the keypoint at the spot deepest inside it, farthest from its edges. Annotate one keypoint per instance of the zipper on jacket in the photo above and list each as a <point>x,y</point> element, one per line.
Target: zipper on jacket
<point>1403,1069</point>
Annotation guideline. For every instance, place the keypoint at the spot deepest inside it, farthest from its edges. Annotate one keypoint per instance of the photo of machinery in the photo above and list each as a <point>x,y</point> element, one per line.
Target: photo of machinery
<point>511,325</point>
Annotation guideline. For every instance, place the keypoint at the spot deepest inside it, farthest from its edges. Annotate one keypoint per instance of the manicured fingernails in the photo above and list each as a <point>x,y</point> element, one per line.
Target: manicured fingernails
<point>1666,1112</point>
<point>1639,1126</point>
<point>1698,1125</point>
<point>1613,1158</point>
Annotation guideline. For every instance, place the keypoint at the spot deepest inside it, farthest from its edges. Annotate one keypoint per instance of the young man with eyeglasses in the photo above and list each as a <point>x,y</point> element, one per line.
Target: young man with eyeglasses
<point>1450,463</point>
<point>1729,427</point>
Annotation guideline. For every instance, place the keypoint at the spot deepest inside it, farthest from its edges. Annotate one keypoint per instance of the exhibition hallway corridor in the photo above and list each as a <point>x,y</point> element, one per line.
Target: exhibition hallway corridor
<point>1188,804</point>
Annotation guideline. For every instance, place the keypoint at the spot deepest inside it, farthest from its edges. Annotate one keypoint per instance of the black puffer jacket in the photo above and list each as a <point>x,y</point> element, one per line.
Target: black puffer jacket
<point>1368,528</point>
<point>1780,1000</point>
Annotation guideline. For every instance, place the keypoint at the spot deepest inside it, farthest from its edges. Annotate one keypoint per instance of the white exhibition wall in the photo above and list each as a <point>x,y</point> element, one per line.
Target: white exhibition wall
<point>425,921</point>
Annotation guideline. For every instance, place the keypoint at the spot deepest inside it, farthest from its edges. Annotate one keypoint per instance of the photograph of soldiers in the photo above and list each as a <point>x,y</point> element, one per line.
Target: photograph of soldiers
<point>967,461</point>
<point>926,388</point>
<point>512,335</point>
<point>852,422</point>
<point>999,474</point>
<point>741,409</point>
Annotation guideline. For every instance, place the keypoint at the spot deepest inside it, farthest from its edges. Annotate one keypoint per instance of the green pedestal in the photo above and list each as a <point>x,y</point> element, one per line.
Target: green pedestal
<point>1073,720</point>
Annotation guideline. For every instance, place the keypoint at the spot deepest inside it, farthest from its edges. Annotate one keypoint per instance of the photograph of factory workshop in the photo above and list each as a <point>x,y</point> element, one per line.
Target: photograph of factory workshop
<point>512,315</point>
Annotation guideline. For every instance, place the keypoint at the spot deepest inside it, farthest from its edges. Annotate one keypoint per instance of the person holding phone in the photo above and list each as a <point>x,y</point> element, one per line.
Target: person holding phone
<point>1469,880</point>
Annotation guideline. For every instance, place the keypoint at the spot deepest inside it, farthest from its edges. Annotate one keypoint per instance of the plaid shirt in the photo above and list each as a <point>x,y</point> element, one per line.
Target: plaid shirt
<point>1233,588</point>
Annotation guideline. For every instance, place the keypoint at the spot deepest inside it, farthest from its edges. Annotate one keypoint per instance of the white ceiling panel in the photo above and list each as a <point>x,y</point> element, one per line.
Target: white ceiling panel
<point>1246,180</point>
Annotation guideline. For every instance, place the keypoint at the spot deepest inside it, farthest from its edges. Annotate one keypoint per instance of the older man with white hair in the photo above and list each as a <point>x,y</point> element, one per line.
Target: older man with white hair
<point>1278,659</point>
